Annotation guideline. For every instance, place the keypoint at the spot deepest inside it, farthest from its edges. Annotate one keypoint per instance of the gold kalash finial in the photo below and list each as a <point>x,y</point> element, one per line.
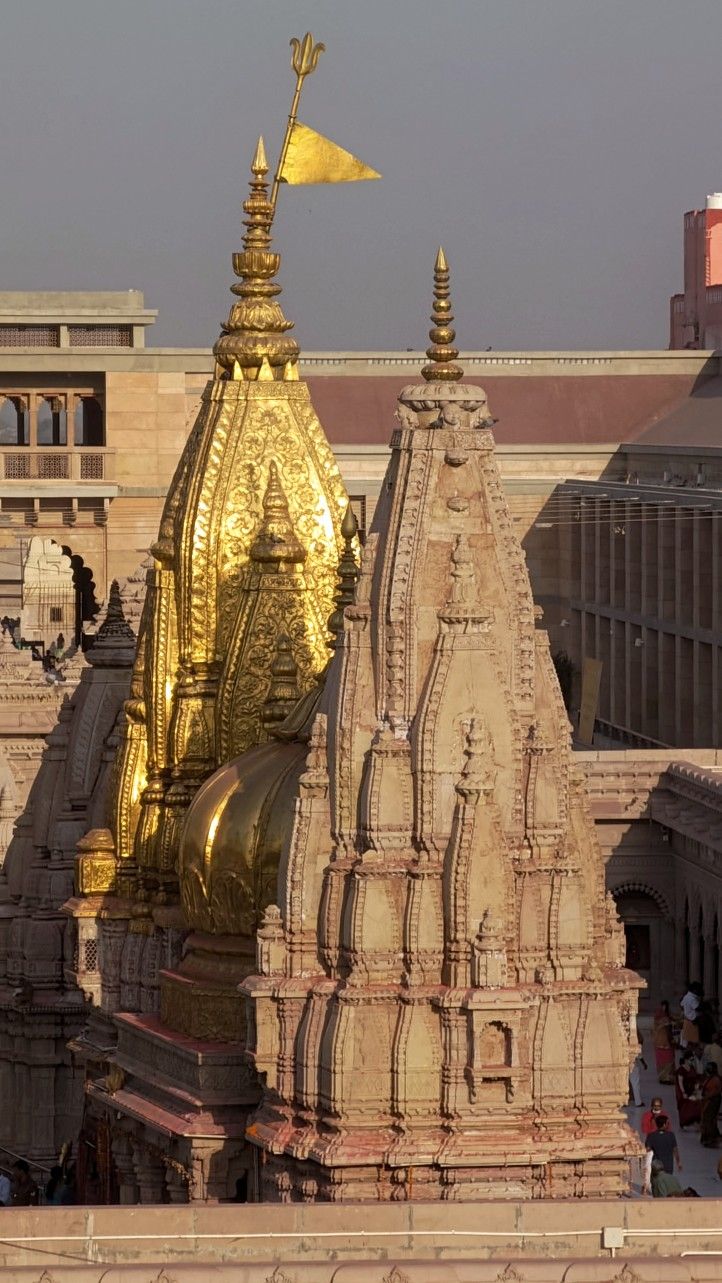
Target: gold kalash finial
<point>254,344</point>
<point>441,354</point>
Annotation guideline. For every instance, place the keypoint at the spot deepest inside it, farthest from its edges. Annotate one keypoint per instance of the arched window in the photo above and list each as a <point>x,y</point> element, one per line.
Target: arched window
<point>52,422</point>
<point>700,932</point>
<point>13,421</point>
<point>715,961</point>
<point>89,427</point>
<point>687,943</point>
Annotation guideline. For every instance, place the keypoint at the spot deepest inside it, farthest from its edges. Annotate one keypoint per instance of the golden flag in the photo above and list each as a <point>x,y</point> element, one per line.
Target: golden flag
<point>311,158</point>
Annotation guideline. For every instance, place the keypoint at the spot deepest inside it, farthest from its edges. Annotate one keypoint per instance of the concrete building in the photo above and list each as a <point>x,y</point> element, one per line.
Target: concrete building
<point>695,317</point>
<point>91,427</point>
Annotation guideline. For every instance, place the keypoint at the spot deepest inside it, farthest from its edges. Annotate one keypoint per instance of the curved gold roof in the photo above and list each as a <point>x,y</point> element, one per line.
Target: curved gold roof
<point>233,837</point>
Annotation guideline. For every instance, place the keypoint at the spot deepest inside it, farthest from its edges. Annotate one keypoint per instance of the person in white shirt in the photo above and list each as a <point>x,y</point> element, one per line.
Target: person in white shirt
<point>690,1006</point>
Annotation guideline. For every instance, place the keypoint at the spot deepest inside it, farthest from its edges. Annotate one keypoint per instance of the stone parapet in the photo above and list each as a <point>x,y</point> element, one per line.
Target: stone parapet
<point>589,1242</point>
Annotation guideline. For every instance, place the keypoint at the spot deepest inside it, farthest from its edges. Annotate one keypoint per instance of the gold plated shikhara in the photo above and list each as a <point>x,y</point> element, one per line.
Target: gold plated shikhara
<point>235,625</point>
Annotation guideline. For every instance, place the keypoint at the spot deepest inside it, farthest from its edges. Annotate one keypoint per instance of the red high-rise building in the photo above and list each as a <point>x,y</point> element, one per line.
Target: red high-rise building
<point>695,317</point>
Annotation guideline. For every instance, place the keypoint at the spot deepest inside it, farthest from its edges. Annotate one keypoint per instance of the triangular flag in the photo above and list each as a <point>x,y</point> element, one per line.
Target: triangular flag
<point>311,158</point>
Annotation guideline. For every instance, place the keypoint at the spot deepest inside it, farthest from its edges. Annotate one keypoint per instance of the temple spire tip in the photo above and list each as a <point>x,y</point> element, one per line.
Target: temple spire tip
<point>442,353</point>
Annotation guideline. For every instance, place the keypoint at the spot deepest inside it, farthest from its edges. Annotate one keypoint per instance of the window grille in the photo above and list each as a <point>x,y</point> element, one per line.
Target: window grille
<point>91,467</point>
<point>29,336</point>
<point>100,335</point>
<point>17,467</point>
<point>56,614</point>
<point>52,467</point>
<point>91,955</point>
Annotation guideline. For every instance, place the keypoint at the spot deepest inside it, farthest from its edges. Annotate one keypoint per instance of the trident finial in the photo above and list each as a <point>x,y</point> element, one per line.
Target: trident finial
<point>306,54</point>
<point>442,334</point>
<point>304,61</point>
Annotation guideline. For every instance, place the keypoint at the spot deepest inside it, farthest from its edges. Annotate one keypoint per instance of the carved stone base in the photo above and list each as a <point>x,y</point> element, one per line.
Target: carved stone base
<point>200,997</point>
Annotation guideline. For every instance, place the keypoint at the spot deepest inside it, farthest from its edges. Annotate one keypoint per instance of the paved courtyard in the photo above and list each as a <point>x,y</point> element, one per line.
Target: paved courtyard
<point>699,1166</point>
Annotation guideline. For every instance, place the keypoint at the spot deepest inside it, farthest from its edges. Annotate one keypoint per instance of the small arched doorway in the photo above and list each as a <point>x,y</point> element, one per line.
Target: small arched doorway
<point>649,941</point>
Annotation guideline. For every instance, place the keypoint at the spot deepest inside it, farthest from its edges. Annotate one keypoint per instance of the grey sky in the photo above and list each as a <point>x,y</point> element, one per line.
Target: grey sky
<point>550,145</point>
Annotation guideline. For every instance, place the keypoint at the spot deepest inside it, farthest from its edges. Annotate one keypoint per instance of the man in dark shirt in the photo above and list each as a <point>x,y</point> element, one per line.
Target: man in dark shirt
<point>663,1145</point>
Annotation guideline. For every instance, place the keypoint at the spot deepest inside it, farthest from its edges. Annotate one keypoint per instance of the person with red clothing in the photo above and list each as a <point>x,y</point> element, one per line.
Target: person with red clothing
<point>647,1126</point>
<point>689,1103</point>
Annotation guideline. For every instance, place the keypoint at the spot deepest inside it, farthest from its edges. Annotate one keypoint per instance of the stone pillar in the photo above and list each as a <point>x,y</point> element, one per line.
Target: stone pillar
<point>149,1175</point>
<point>709,965</point>
<point>128,1191</point>
<point>176,1186</point>
<point>693,953</point>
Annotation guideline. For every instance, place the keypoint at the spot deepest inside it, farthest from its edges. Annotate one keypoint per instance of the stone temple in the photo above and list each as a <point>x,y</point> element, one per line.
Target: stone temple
<point>345,936</point>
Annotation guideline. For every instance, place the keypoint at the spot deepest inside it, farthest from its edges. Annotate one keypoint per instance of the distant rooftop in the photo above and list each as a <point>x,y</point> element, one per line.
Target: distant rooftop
<point>73,318</point>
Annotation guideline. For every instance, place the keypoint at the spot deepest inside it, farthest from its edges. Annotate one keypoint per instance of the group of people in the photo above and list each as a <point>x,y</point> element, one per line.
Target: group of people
<point>19,1189</point>
<point>697,1081</point>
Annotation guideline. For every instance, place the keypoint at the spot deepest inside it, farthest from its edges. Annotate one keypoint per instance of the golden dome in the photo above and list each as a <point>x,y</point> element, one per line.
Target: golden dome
<point>233,836</point>
<point>241,816</point>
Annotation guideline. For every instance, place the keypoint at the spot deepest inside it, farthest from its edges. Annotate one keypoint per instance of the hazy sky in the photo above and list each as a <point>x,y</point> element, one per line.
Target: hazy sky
<point>552,146</point>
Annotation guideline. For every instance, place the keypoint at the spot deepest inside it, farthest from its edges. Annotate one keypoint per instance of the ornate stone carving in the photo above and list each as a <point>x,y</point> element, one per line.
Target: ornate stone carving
<point>464,987</point>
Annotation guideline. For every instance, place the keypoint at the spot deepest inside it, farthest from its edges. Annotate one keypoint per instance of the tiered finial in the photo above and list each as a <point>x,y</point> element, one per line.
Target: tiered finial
<point>115,629</point>
<point>441,354</point>
<point>348,573</point>
<point>283,690</point>
<point>253,343</point>
<point>276,539</point>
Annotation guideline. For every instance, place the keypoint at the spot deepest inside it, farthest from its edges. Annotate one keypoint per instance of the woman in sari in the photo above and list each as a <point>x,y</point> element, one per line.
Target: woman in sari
<point>686,1087</point>
<point>663,1045</point>
<point>711,1099</point>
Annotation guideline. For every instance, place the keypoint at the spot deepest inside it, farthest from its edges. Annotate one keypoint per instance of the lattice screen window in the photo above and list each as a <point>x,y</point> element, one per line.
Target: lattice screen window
<point>100,335</point>
<point>17,466</point>
<point>91,955</point>
<point>29,336</point>
<point>358,507</point>
<point>91,467</point>
<point>52,467</point>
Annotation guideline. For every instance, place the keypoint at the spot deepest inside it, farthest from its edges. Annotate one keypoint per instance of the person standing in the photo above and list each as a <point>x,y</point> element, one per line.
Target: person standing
<point>648,1125</point>
<point>663,1144</point>
<point>25,1190</point>
<point>713,1051</point>
<point>690,1006</point>
<point>635,1075</point>
<point>711,1099</point>
<point>686,1087</point>
<point>663,1043</point>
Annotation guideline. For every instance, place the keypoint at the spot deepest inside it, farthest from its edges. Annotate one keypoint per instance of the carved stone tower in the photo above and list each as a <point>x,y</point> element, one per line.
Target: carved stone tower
<point>441,1007</point>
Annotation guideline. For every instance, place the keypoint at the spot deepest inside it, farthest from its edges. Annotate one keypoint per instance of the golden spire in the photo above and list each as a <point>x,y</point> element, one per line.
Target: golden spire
<point>253,342</point>
<point>347,575</point>
<point>276,540</point>
<point>442,334</point>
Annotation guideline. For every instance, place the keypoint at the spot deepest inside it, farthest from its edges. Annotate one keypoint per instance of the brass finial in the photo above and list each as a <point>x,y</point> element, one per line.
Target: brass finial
<point>254,336</point>
<point>283,689</point>
<point>441,354</point>
<point>347,576</point>
<point>276,540</point>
